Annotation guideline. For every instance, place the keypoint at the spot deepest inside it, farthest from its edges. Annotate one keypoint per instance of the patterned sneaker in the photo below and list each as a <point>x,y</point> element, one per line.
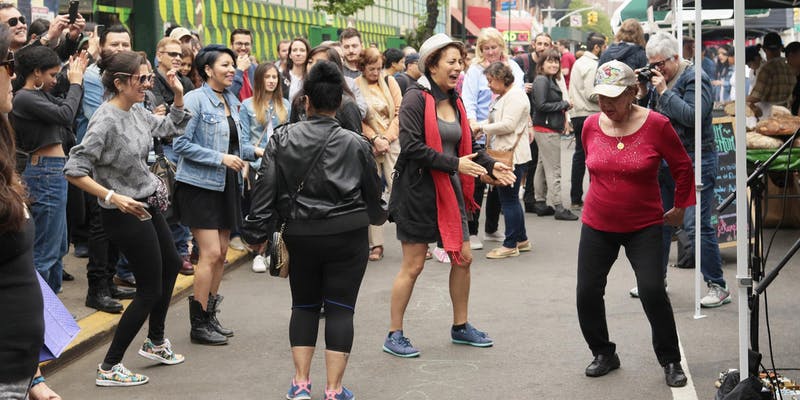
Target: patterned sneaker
<point>162,353</point>
<point>471,336</point>
<point>717,296</point>
<point>343,395</point>
<point>441,256</point>
<point>299,390</point>
<point>398,345</point>
<point>119,376</point>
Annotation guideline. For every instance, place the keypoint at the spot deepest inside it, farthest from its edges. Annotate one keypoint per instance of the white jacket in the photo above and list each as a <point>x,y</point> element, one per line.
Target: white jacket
<point>509,119</point>
<point>581,85</point>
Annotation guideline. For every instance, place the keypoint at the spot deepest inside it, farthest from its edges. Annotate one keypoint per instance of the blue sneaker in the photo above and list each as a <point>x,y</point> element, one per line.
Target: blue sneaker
<point>471,336</point>
<point>343,395</point>
<point>398,345</point>
<point>299,390</point>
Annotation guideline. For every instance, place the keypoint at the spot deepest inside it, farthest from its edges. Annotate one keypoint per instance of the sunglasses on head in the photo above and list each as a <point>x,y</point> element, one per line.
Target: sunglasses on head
<point>173,54</point>
<point>12,22</point>
<point>141,78</point>
<point>9,64</point>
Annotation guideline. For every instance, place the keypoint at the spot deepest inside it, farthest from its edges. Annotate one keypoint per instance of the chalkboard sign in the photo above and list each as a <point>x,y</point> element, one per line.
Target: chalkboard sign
<point>725,220</point>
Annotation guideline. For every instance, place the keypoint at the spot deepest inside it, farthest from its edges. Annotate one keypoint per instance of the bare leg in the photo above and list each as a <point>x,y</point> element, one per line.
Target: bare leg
<point>210,257</point>
<point>459,285</point>
<point>302,356</point>
<point>335,363</point>
<point>224,240</point>
<point>410,268</point>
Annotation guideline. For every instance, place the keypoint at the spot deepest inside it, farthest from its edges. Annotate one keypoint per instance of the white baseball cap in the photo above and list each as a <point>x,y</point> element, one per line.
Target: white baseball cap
<point>613,78</point>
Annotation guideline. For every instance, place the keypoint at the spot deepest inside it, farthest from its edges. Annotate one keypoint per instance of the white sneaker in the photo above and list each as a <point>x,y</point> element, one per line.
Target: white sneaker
<point>441,256</point>
<point>475,242</point>
<point>635,291</point>
<point>494,236</point>
<point>717,296</point>
<point>260,263</point>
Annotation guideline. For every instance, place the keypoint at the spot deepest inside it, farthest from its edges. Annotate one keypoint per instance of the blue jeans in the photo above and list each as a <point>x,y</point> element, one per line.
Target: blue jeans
<point>512,210</point>
<point>710,259</point>
<point>48,191</point>
<point>180,233</point>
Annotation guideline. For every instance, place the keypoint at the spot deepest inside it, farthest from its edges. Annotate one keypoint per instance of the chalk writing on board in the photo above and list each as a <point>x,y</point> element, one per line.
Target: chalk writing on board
<point>725,220</point>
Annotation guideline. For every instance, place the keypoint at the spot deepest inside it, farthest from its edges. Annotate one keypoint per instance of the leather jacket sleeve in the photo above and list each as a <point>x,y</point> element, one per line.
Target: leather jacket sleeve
<point>371,186</point>
<point>261,220</point>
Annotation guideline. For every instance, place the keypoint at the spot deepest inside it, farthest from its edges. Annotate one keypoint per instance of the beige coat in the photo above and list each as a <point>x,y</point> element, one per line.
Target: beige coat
<point>510,119</point>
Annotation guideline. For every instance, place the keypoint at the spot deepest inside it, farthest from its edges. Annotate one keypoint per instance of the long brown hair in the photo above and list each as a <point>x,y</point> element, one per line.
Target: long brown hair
<point>261,98</point>
<point>12,192</point>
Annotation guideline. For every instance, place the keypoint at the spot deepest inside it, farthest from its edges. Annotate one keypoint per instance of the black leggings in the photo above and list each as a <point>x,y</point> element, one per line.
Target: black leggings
<point>154,262</point>
<point>329,269</point>
<point>597,252</point>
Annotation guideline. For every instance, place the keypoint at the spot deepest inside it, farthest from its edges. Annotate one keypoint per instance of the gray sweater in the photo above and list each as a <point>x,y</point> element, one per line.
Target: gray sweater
<point>115,148</point>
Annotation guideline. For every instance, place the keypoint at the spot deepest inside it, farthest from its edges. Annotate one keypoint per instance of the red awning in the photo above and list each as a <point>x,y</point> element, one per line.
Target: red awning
<point>473,29</point>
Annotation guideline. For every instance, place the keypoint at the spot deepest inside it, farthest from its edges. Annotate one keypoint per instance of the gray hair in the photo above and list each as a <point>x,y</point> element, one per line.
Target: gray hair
<point>662,44</point>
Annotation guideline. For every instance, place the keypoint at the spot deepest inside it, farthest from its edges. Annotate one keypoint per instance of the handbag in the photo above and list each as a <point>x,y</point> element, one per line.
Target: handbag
<point>504,156</point>
<point>165,170</point>
<point>279,254</point>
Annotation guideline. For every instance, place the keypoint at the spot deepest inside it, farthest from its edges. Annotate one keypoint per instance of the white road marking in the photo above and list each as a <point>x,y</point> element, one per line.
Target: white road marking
<point>687,392</point>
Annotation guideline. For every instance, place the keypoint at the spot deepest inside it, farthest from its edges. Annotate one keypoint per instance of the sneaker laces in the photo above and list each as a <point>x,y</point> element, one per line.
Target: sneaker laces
<point>402,340</point>
<point>121,369</point>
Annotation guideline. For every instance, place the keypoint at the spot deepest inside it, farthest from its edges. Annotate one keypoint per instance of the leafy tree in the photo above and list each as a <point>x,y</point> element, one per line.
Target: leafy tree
<point>426,26</point>
<point>342,7</point>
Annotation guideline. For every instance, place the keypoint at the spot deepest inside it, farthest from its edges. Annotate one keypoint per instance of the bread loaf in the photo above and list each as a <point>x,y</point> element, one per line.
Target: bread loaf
<point>759,141</point>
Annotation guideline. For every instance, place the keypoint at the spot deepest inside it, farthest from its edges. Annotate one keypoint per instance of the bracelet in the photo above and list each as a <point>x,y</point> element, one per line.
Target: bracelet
<point>107,200</point>
<point>37,380</point>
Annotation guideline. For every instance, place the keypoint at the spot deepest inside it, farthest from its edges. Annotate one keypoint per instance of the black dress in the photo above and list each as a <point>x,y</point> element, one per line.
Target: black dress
<point>21,307</point>
<point>208,209</point>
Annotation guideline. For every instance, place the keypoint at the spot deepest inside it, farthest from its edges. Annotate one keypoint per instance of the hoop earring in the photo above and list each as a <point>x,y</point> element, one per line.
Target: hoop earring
<point>38,86</point>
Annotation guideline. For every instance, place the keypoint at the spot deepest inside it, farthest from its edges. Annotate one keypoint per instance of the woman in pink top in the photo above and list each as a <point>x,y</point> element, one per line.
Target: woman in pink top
<point>624,146</point>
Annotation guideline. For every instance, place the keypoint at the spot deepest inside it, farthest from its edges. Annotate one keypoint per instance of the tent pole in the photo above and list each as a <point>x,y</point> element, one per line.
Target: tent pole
<point>698,157</point>
<point>742,272</point>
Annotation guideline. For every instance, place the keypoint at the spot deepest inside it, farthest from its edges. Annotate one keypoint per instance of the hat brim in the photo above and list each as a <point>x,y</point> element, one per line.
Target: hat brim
<point>424,57</point>
<point>609,90</point>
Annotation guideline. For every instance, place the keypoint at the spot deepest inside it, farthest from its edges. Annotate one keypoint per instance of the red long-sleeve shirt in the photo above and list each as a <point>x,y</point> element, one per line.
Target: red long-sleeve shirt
<point>623,194</point>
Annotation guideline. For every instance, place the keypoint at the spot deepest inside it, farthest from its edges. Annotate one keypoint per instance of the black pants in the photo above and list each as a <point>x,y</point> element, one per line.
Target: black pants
<point>596,253</point>
<point>154,262</point>
<point>578,162</point>
<point>103,254</point>
<point>492,209</point>
<point>326,269</point>
<point>528,196</point>
<point>77,225</point>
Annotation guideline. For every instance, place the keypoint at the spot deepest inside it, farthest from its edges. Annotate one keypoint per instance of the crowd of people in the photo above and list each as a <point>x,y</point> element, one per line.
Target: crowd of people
<point>325,145</point>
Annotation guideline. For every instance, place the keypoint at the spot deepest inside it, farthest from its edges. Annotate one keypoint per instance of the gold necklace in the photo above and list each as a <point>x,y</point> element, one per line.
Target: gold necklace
<point>620,145</point>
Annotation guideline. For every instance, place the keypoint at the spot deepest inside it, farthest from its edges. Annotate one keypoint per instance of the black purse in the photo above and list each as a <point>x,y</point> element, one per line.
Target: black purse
<point>165,170</point>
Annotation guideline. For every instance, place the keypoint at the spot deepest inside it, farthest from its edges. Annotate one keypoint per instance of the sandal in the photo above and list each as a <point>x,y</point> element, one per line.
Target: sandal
<point>376,253</point>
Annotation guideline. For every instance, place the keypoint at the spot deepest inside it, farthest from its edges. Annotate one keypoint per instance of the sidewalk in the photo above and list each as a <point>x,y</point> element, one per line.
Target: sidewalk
<point>97,326</point>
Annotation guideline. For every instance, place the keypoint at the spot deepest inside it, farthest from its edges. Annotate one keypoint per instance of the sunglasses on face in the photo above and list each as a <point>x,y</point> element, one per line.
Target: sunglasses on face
<point>9,64</point>
<point>12,22</point>
<point>173,54</point>
<point>141,78</point>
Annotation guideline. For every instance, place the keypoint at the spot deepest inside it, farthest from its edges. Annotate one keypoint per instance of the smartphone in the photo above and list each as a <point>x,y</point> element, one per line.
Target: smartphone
<point>73,11</point>
<point>147,216</point>
<point>98,30</point>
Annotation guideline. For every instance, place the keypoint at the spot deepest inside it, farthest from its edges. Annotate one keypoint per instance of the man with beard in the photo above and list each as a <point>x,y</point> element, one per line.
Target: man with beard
<point>242,44</point>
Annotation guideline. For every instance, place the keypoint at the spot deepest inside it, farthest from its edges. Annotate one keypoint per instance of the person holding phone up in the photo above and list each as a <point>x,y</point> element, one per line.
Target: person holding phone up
<point>132,199</point>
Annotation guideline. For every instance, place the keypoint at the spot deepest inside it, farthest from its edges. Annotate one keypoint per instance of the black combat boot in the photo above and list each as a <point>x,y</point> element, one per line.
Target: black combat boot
<point>213,310</point>
<point>202,331</point>
<point>99,297</point>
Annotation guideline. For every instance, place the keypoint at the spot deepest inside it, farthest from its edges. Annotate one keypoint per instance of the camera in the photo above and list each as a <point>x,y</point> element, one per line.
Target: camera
<point>644,74</point>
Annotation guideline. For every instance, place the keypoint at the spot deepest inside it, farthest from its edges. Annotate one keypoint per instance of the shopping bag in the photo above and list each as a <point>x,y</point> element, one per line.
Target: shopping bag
<point>59,325</point>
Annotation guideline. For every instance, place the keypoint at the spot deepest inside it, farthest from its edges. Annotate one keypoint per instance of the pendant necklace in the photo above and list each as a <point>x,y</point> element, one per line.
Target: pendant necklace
<point>620,145</point>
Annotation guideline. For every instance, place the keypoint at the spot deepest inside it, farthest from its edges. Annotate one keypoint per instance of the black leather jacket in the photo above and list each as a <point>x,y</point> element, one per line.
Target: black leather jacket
<point>341,193</point>
<point>548,104</point>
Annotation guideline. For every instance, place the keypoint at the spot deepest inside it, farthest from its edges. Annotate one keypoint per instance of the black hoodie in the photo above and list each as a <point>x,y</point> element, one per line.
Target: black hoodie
<point>631,54</point>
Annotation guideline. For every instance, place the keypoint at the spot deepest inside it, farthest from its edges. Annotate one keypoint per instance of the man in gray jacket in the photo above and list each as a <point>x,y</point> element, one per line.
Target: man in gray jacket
<point>584,103</point>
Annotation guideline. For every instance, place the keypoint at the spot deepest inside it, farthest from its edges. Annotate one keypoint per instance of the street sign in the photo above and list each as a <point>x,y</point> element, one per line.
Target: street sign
<point>508,5</point>
<point>576,21</point>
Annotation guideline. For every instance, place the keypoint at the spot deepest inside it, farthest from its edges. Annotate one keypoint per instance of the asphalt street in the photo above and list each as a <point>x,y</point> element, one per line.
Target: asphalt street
<point>527,304</point>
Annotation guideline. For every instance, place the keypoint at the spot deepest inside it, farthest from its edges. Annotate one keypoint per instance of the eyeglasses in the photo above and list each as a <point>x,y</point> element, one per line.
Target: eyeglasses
<point>142,78</point>
<point>659,64</point>
<point>173,54</point>
<point>242,44</point>
<point>12,22</point>
<point>9,64</point>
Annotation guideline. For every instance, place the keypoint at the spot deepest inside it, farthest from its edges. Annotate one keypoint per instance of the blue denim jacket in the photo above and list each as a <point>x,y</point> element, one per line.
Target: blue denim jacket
<point>255,129</point>
<point>205,141</point>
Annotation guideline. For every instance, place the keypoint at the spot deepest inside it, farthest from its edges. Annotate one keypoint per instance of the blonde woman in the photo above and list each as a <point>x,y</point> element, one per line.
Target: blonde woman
<point>477,96</point>
<point>381,126</point>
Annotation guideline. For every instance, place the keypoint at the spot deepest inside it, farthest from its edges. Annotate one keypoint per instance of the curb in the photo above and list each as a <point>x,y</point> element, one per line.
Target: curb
<point>99,326</point>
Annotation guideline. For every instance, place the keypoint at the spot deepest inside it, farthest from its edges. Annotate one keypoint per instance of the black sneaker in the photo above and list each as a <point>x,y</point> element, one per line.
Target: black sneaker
<point>562,214</point>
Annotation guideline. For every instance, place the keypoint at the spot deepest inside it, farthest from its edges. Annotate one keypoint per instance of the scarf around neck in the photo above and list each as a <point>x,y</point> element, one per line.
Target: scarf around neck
<point>448,214</point>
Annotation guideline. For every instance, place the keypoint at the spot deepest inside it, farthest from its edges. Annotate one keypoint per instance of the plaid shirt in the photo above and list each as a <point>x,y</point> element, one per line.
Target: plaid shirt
<point>775,82</point>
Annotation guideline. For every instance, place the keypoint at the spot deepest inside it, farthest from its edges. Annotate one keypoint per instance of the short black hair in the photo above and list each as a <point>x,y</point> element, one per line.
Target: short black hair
<point>391,56</point>
<point>241,31</point>
<point>38,27</point>
<point>208,56</point>
<point>31,58</point>
<point>595,40</point>
<point>323,86</point>
<point>791,48</point>
<point>113,29</point>
<point>348,33</point>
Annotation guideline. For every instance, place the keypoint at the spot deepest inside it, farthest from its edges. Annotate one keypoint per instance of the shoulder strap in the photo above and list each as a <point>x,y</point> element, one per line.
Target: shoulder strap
<point>311,166</point>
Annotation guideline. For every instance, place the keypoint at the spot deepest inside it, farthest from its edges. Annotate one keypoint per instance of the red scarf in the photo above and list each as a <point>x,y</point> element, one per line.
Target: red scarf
<point>448,214</point>
<point>247,90</point>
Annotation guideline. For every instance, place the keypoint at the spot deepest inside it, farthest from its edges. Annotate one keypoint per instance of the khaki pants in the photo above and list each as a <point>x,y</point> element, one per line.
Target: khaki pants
<point>550,160</point>
<point>385,165</point>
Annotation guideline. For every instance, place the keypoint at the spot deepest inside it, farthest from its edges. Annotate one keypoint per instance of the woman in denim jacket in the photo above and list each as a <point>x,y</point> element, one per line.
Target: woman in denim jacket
<point>208,189</point>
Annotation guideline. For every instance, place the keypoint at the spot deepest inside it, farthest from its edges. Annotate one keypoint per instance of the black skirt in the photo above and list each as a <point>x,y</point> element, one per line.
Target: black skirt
<point>208,209</point>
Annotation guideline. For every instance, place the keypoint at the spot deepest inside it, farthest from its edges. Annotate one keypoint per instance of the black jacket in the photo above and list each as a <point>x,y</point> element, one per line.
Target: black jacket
<point>162,91</point>
<point>631,54</point>
<point>548,104</point>
<point>413,201</point>
<point>341,193</point>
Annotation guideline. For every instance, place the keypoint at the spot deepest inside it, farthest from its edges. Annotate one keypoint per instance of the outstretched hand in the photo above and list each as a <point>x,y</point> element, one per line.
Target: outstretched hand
<point>504,174</point>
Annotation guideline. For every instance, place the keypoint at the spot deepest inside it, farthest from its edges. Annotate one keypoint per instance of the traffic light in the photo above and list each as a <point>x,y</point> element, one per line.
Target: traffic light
<point>591,18</point>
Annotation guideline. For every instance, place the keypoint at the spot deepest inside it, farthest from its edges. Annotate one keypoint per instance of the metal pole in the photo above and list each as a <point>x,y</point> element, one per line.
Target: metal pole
<point>464,21</point>
<point>698,152</point>
<point>494,7</point>
<point>742,272</point>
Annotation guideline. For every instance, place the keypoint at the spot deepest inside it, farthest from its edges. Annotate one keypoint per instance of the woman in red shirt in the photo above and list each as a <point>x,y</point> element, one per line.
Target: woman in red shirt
<point>624,146</point>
